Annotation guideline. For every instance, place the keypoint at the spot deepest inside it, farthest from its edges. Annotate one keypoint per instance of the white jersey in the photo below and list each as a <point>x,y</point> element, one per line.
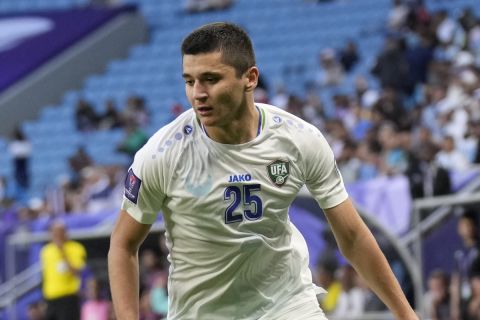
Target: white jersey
<point>234,252</point>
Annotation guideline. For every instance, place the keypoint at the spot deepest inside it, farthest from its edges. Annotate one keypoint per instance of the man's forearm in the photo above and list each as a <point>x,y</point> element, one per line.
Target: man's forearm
<point>124,283</point>
<point>374,268</point>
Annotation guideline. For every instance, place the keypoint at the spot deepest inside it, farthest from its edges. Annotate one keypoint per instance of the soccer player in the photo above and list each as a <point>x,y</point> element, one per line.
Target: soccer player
<point>224,174</point>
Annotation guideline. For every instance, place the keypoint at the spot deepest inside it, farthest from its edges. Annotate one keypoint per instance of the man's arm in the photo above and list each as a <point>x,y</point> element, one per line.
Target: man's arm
<point>358,245</point>
<point>126,238</point>
<point>73,268</point>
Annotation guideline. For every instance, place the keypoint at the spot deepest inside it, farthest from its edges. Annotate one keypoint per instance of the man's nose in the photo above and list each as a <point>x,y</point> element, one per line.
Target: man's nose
<point>199,91</point>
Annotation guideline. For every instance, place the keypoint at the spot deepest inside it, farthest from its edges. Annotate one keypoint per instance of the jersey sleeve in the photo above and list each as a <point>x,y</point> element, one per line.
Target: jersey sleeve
<point>322,177</point>
<point>143,195</point>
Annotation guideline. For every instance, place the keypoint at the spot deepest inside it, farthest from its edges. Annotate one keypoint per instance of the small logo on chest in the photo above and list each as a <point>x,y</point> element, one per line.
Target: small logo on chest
<point>278,171</point>
<point>240,177</point>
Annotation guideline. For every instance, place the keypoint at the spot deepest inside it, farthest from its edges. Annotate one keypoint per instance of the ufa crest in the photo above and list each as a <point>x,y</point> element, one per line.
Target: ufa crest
<point>278,171</point>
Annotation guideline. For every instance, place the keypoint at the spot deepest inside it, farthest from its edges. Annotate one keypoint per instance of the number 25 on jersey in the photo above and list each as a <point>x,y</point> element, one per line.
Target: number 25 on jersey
<point>237,195</point>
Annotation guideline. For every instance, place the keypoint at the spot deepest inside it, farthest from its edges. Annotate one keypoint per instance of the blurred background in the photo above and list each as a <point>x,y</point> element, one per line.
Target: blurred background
<point>393,85</point>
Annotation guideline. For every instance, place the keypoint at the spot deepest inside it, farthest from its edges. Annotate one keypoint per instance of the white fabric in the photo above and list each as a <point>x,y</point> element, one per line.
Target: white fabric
<point>350,303</point>
<point>253,269</point>
<point>20,149</point>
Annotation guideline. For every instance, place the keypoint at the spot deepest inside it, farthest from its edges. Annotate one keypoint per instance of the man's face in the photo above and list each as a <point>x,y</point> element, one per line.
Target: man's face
<point>213,88</point>
<point>58,234</point>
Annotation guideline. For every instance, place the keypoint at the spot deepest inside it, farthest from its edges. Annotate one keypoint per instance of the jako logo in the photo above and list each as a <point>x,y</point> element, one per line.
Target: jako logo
<point>240,178</point>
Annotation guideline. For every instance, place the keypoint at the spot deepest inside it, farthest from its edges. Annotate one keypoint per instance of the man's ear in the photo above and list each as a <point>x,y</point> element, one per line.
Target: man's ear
<point>252,78</point>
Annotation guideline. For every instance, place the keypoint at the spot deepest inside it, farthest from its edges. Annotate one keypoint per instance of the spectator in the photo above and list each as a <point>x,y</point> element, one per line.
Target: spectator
<point>467,228</point>
<point>351,301</point>
<point>437,298</point>
<point>98,186</point>
<point>467,19</point>
<point>136,112</point>
<point>349,56</point>
<point>427,178</point>
<point>348,164</point>
<point>397,16</point>
<point>85,117</point>
<point>20,149</point>
<point>365,96</point>
<point>313,110</point>
<point>372,302</point>
<point>134,139</point>
<point>390,108</point>
<point>331,72</point>
<point>448,32</point>
<point>325,275</point>
<point>95,307</point>
<point>394,155</point>
<point>419,55</point>
<point>111,118</point>
<point>62,261</point>
<point>77,162</point>
<point>450,158</point>
<point>368,154</point>
<point>392,68</point>
<point>473,304</point>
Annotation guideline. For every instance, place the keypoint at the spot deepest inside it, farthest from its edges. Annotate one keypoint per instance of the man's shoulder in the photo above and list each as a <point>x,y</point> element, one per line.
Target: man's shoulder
<point>183,125</point>
<point>288,123</point>
<point>169,136</point>
<point>74,245</point>
<point>48,247</point>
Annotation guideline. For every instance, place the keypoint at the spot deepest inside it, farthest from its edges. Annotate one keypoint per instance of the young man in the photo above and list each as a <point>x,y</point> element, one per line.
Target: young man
<point>224,175</point>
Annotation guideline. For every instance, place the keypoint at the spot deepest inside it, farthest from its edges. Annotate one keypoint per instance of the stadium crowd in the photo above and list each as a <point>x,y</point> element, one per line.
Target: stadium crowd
<point>417,113</point>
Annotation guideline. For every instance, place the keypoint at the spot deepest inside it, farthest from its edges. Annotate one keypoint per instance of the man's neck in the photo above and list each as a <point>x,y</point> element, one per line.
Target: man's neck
<point>239,131</point>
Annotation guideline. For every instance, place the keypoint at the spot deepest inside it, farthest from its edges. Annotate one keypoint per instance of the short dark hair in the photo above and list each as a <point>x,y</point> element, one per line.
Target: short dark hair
<point>228,38</point>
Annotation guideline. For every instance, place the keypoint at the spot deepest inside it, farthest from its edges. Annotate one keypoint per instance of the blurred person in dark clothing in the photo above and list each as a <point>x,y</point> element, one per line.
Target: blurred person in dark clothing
<point>390,108</point>
<point>437,298</point>
<point>20,149</point>
<point>427,178</point>
<point>473,304</point>
<point>419,55</point>
<point>465,259</point>
<point>86,119</point>
<point>349,56</point>
<point>111,118</point>
<point>77,162</point>
<point>392,68</point>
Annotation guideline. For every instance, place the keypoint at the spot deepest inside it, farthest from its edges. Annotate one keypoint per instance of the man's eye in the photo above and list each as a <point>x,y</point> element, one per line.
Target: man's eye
<point>189,82</point>
<point>211,80</point>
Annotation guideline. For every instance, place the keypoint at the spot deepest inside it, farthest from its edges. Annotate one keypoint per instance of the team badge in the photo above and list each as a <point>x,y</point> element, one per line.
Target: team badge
<point>278,171</point>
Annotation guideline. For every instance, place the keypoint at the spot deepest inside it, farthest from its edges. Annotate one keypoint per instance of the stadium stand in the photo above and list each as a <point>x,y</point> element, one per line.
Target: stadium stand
<point>289,37</point>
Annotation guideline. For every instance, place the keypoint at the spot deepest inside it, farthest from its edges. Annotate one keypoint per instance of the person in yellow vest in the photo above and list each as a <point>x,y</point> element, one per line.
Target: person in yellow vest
<point>62,262</point>
<point>325,277</point>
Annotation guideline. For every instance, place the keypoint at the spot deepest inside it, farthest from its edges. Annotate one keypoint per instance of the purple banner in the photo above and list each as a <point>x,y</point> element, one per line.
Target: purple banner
<point>27,40</point>
<point>387,198</point>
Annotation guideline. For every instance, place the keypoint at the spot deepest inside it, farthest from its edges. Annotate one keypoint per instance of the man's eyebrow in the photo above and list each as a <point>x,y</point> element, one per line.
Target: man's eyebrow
<point>205,74</point>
